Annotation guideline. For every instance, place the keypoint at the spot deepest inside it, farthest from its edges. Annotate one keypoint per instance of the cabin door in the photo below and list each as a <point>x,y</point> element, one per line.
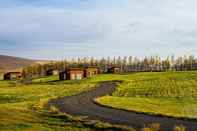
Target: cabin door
<point>64,75</point>
<point>72,76</point>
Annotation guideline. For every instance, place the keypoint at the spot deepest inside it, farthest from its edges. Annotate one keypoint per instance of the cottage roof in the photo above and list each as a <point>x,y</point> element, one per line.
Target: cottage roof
<point>72,69</point>
<point>92,67</point>
<point>113,67</point>
<point>13,73</point>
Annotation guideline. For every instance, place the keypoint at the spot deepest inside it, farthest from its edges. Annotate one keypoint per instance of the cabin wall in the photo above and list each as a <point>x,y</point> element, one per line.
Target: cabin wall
<point>114,70</point>
<point>90,72</point>
<point>12,76</point>
<point>76,75</point>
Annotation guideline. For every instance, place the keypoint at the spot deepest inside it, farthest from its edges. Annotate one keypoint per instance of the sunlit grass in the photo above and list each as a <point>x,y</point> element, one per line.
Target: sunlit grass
<point>165,93</point>
<point>22,106</point>
<point>168,93</point>
<point>160,106</point>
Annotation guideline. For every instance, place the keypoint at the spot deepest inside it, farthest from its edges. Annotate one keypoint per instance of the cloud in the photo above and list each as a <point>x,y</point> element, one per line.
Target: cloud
<point>29,25</point>
<point>98,27</point>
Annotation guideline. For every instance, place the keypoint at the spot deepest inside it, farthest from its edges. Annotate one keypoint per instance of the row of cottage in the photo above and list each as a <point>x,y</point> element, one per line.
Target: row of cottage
<point>68,74</point>
<point>78,73</point>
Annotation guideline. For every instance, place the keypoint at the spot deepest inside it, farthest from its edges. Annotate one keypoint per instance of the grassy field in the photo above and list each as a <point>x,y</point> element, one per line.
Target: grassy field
<point>166,93</point>
<point>22,106</point>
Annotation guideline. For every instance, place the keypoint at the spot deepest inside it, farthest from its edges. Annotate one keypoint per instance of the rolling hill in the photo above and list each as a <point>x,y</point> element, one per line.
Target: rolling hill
<point>10,63</point>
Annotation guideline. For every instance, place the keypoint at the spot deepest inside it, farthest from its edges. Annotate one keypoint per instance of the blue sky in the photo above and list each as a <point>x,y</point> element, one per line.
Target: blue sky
<point>56,29</point>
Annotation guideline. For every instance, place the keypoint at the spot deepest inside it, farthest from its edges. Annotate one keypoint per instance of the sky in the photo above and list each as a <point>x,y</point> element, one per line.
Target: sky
<point>57,29</point>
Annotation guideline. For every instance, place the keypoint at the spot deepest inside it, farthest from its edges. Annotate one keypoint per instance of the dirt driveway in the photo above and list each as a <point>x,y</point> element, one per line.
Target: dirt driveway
<point>83,104</point>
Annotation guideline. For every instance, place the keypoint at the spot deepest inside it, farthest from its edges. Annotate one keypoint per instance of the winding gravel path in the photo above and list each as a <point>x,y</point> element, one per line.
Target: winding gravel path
<point>83,104</point>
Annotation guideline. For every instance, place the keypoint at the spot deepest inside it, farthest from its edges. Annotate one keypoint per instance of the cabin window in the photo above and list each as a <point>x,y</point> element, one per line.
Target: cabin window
<point>78,76</point>
<point>14,76</point>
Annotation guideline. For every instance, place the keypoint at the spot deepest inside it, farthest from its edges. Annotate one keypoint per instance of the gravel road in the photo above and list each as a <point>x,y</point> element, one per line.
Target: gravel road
<point>83,104</point>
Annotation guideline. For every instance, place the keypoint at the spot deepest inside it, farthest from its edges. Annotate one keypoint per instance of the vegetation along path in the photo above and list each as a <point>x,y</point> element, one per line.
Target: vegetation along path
<point>83,104</point>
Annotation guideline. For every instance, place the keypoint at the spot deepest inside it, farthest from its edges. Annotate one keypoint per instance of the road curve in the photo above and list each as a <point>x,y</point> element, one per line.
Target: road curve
<point>83,104</point>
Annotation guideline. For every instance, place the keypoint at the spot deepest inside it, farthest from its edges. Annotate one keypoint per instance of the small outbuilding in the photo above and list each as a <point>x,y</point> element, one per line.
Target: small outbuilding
<point>91,71</point>
<point>52,72</point>
<point>12,76</point>
<point>114,70</point>
<point>72,74</point>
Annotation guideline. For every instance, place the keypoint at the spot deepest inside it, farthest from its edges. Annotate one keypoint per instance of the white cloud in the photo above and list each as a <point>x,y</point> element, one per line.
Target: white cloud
<point>140,28</point>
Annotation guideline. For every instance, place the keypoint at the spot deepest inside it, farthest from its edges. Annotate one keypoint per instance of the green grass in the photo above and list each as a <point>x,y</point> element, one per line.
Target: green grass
<point>158,106</point>
<point>54,78</point>
<point>22,106</point>
<point>170,93</point>
<point>166,93</point>
<point>170,84</point>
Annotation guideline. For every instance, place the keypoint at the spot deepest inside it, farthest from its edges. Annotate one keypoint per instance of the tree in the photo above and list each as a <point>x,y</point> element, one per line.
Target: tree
<point>167,64</point>
<point>191,61</point>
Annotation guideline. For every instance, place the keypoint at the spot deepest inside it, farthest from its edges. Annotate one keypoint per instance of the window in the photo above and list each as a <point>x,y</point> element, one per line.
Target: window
<point>78,77</point>
<point>14,76</point>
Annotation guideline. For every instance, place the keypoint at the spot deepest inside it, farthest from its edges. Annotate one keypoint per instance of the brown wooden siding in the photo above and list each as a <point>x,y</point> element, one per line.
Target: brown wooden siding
<point>13,76</point>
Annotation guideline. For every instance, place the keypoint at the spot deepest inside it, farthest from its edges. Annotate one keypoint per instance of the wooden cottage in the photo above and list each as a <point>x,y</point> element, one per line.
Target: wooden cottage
<point>13,76</point>
<point>52,72</point>
<point>91,71</point>
<point>114,70</point>
<point>72,74</point>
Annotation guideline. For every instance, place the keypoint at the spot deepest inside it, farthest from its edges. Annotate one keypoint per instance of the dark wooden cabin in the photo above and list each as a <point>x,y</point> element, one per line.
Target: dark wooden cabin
<point>72,74</point>
<point>12,76</point>
<point>91,71</point>
<point>114,70</point>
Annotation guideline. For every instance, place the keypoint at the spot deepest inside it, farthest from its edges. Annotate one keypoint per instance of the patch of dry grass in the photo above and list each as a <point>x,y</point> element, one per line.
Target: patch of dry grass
<point>180,128</point>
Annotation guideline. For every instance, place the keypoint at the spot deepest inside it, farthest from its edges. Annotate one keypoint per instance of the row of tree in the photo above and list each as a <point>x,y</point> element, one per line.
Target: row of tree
<point>126,64</point>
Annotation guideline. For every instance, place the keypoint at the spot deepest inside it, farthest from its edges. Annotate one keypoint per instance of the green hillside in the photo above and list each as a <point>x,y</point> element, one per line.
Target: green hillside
<point>167,93</point>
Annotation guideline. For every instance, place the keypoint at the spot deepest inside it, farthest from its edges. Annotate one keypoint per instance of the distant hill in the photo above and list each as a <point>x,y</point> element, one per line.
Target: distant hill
<point>11,63</point>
